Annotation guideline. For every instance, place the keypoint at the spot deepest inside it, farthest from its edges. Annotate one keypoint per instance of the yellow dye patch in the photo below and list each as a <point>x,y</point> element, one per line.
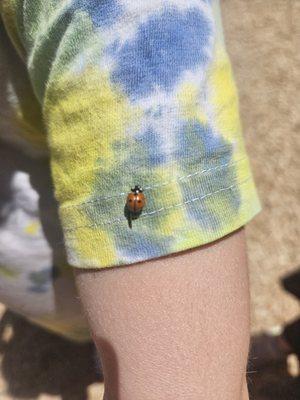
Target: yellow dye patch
<point>32,228</point>
<point>242,170</point>
<point>247,188</point>
<point>191,238</point>
<point>95,246</point>
<point>85,116</point>
<point>188,97</point>
<point>172,195</point>
<point>223,95</point>
<point>174,217</point>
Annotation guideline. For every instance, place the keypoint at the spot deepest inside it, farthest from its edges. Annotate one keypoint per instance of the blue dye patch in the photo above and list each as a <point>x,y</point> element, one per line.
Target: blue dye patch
<point>163,48</point>
<point>145,247</point>
<point>197,141</point>
<point>199,147</point>
<point>203,215</point>
<point>102,12</point>
<point>151,141</point>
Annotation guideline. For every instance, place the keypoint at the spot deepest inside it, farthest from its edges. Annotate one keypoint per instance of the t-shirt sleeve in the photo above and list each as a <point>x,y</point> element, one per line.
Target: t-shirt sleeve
<point>138,93</point>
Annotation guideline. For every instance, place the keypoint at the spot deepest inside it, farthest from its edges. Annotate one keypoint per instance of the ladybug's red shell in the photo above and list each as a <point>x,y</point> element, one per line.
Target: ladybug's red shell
<point>135,202</point>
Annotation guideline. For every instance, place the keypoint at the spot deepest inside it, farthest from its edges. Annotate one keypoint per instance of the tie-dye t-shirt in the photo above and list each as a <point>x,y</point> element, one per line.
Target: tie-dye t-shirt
<point>121,93</point>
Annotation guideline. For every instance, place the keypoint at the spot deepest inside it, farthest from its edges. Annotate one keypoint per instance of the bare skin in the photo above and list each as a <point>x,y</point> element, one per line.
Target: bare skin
<point>175,327</point>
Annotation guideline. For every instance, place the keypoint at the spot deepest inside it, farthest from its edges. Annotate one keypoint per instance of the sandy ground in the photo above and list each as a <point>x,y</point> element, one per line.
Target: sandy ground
<point>263,41</point>
<point>262,38</point>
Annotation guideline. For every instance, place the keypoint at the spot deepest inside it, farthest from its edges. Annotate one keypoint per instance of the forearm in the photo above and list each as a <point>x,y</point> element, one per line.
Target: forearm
<point>175,327</point>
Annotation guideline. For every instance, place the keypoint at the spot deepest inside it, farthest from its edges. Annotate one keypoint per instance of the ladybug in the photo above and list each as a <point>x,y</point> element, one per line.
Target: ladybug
<point>134,204</point>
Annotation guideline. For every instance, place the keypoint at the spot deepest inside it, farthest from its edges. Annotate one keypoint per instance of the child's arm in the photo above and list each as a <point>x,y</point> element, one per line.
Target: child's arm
<point>141,93</point>
<point>173,328</point>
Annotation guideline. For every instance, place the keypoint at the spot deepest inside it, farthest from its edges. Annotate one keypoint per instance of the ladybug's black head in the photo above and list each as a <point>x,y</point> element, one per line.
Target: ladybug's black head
<point>137,189</point>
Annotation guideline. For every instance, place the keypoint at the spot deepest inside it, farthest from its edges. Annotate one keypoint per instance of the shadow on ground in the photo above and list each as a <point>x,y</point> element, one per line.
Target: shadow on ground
<point>35,361</point>
<point>273,383</point>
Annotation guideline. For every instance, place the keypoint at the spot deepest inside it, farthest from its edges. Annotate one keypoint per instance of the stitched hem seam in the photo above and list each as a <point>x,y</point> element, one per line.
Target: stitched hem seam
<point>153,213</point>
<point>155,186</point>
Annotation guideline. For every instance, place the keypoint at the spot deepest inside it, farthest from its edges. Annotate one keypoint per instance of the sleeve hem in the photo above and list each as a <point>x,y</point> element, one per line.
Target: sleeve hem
<point>177,226</point>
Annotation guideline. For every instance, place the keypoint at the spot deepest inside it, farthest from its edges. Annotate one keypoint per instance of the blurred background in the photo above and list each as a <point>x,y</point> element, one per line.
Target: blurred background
<point>263,40</point>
